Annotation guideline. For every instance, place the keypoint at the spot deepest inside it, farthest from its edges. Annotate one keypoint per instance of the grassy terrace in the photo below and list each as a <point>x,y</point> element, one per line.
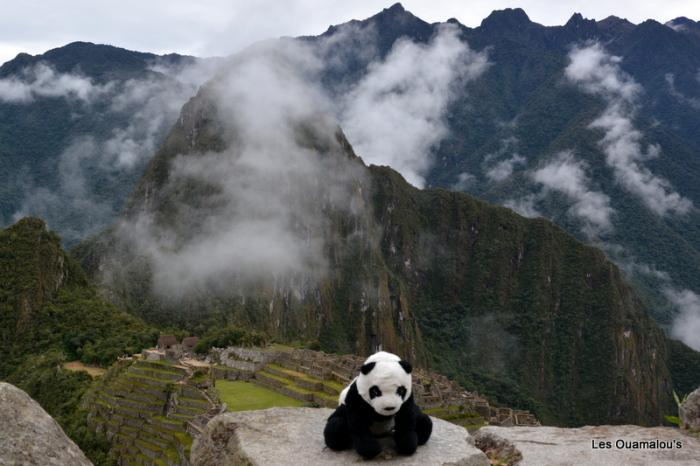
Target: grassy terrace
<point>246,396</point>
<point>470,420</point>
<point>77,366</point>
<point>333,385</point>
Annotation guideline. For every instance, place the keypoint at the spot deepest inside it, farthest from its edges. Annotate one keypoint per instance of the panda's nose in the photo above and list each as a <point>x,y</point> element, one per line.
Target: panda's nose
<point>390,408</point>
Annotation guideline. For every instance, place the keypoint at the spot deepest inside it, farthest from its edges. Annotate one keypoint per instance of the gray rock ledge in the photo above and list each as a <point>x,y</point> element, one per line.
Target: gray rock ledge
<point>689,412</point>
<point>29,436</point>
<point>294,436</point>
<point>556,446</point>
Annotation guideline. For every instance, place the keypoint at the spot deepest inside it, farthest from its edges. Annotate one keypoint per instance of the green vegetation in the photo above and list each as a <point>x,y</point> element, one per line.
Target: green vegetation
<point>246,396</point>
<point>457,415</point>
<point>47,303</point>
<point>50,314</point>
<point>684,364</point>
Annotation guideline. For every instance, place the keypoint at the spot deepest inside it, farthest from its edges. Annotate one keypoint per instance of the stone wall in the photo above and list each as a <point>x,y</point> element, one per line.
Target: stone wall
<point>242,359</point>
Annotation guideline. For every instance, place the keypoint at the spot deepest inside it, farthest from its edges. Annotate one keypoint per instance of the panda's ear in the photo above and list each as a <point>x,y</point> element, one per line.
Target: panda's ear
<point>406,366</point>
<point>367,368</point>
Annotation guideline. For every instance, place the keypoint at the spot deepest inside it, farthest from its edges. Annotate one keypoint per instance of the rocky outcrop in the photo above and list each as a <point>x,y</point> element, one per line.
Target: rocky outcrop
<point>590,445</point>
<point>29,436</point>
<point>689,412</point>
<point>283,436</point>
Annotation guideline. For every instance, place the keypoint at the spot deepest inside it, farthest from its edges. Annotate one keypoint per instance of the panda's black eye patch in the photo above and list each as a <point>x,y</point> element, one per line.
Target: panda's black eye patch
<point>374,392</point>
<point>401,391</point>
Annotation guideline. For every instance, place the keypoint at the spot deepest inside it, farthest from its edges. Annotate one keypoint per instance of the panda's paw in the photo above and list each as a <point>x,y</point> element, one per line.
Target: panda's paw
<point>367,447</point>
<point>406,443</point>
<point>424,427</point>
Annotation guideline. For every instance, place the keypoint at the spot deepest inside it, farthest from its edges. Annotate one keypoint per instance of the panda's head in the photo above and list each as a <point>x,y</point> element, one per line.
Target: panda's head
<point>385,382</point>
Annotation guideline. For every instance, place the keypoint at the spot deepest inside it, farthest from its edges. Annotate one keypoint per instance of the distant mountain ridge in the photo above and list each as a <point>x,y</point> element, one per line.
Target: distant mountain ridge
<point>78,124</point>
<point>99,61</point>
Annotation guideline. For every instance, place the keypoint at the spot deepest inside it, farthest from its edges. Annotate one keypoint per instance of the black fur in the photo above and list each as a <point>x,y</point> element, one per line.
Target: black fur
<point>406,366</point>
<point>367,368</point>
<point>349,426</point>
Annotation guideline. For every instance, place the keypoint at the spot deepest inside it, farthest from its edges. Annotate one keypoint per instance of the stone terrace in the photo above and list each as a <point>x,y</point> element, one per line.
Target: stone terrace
<point>150,412</point>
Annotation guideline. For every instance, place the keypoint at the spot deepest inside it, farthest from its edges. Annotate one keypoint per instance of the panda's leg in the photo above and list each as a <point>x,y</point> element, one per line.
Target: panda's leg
<point>366,445</point>
<point>406,442</point>
<point>424,426</point>
<point>337,433</point>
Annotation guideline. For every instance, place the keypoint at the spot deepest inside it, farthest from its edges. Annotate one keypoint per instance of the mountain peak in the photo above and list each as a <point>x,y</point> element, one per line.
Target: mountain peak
<point>615,23</point>
<point>682,20</point>
<point>508,18</point>
<point>683,23</point>
<point>578,20</point>
<point>396,13</point>
<point>395,8</point>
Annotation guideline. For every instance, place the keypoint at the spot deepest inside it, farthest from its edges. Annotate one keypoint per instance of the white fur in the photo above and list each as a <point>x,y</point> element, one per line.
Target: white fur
<point>388,375</point>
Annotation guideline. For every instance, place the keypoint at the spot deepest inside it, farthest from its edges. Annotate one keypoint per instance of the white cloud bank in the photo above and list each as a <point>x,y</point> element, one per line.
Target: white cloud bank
<point>686,322</point>
<point>686,326</point>
<point>525,206</point>
<point>42,80</point>
<point>504,169</point>
<point>79,206</point>
<point>396,114</point>
<point>259,209</point>
<point>568,176</point>
<point>599,73</point>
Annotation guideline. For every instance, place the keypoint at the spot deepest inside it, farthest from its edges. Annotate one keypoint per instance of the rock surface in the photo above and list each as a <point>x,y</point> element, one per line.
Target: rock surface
<point>555,446</point>
<point>29,436</point>
<point>689,412</point>
<point>283,436</point>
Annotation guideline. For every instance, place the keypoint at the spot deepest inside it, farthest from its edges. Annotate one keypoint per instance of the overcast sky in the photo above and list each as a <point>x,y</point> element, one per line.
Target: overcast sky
<point>220,27</point>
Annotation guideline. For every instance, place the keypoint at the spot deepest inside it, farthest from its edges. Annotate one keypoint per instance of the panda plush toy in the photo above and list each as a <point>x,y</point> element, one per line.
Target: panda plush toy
<point>378,403</point>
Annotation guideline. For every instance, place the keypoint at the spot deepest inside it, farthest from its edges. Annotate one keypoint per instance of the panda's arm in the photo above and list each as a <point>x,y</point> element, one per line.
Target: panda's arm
<point>359,420</point>
<point>359,412</point>
<point>405,434</point>
<point>405,420</point>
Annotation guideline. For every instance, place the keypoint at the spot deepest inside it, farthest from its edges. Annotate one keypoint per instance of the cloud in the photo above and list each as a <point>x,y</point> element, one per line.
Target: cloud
<point>396,114</point>
<point>671,82</point>
<point>93,166</point>
<point>686,323</point>
<point>73,206</point>
<point>678,27</point>
<point>464,180</point>
<point>567,175</point>
<point>599,73</point>
<point>261,207</point>
<point>525,206</point>
<point>686,326</point>
<point>41,80</point>
<point>503,169</point>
